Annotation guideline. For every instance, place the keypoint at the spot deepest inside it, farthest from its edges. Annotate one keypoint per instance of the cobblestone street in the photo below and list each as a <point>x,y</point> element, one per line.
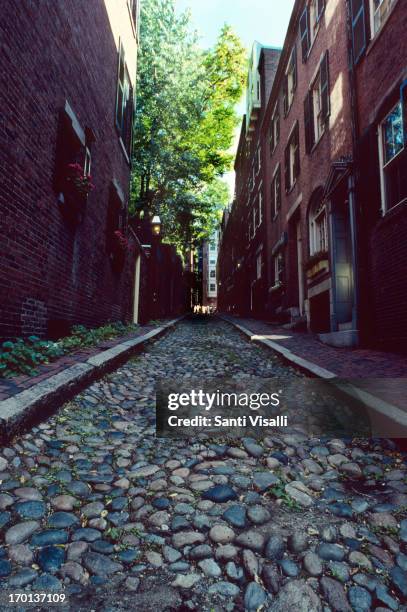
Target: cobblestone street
<point>93,503</point>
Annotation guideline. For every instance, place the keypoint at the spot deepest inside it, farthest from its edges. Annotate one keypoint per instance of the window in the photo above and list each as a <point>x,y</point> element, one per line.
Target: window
<point>379,10</point>
<point>318,227</point>
<point>393,157</point>
<point>258,266</point>
<point>290,81</point>
<point>212,287</point>
<point>258,160</point>
<point>212,262</point>
<point>358,28</point>
<point>254,219</point>
<point>212,246</point>
<point>87,163</point>
<point>278,268</point>
<point>134,6</point>
<point>260,204</point>
<point>212,274</point>
<point>124,103</point>
<point>309,22</point>
<point>116,217</point>
<point>274,129</point>
<point>276,192</point>
<point>317,106</point>
<point>292,159</point>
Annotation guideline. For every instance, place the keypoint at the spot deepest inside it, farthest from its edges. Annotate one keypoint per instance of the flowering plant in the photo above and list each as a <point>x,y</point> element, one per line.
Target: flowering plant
<point>121,240</point>
<point>80,181</point>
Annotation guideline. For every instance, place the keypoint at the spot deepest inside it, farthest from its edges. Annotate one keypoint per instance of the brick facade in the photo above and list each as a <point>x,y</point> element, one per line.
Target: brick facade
<point>56,56</point>
<point>333,255</point>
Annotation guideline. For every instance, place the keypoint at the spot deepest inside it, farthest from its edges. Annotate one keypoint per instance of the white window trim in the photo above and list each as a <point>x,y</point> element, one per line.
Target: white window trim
<point>373,29</point>
<point>274,116</point>
<point>383,164</point>
<point>273,183</point>
<point>314,216</point>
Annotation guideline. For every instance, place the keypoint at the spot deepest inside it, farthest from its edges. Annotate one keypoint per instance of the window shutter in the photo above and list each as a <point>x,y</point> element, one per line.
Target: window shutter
<point>309,122</point>
<point>277,127</point>
<point>320,8</point>
<point>325,106</point>
<point>296,137</point>
<point>304,34</point>
<point>129,122</point>
<point>294,63</point>
<point>278,188</point>
<point>119,87</point>
<point>403,98</point>
<point>287,167</point>
<point>285,95</point>
<point>358,14</point>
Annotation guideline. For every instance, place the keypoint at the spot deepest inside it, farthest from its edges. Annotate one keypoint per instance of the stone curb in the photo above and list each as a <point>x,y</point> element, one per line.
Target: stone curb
<point>388,421</point>
<point>34,404</point>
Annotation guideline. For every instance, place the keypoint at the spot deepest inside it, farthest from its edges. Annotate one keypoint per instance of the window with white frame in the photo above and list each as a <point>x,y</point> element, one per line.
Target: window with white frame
<point>379,9</point>
<point>259,261</point>
<point>212,274</point>
<point>292,158</point>
<point>212,287</point>
<point>317,106</point>
<point>276,192</point>
<point>254,212</point>
<point>278,268</point>
<point>260,204</point>
<point>274,129</point>
<point>393,158</point>
<point>309,22</point>
<point>212,262</point>
<point>318,227</point>
<point>258,160</point>
<point>290,81</point>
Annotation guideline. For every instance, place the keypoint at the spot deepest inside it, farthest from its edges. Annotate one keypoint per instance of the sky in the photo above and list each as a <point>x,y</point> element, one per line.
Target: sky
<point>263,20</point>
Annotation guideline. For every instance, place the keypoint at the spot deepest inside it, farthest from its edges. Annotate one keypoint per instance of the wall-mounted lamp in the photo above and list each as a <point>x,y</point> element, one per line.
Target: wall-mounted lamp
<point>156,225</point>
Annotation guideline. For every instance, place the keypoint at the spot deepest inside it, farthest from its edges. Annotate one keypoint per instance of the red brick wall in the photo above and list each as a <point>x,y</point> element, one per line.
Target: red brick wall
<point>335,142</point>
<point>379,74</point>
<point>52,52</point>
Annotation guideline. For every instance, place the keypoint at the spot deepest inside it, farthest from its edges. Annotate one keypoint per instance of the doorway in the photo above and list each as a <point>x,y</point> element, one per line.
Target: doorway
<point>136,290</point>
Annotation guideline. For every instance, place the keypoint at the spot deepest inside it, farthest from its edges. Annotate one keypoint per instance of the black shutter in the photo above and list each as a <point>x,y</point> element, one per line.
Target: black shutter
<point>403,98</point>
<point>128,136</point>
<point>304,34</point>
<point>358,14</point>
<point>320,7</point>
<point>278,188</point>
<point>294,64</point>
<point>309,122</point>
<point>287,167</point>
<point>325,106</point>
<point>296,137</point>
<point>285,95</point>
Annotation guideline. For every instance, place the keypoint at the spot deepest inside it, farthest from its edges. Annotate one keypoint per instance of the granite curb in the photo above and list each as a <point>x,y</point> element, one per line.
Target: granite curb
<point>22,410</point>
<point>388,420</point>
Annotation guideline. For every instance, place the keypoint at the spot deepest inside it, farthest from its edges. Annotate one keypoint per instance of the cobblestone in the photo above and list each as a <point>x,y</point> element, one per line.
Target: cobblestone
<point>92,500</point>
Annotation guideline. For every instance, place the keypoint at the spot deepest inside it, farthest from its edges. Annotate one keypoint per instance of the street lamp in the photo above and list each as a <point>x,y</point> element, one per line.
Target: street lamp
<point>156,225</point>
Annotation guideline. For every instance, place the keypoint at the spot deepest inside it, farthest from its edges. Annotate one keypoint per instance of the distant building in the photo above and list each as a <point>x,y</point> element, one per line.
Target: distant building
<point>209,280</point>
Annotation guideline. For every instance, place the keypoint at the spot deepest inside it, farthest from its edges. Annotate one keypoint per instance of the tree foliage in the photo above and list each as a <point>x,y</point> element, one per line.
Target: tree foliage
<point>185,121</point>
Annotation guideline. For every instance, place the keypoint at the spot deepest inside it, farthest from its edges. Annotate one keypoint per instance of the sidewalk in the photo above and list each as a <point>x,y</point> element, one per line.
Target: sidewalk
<point>377,379</point>
<point>11,386</point>
<point>25,399</point>
<point>343,362</point>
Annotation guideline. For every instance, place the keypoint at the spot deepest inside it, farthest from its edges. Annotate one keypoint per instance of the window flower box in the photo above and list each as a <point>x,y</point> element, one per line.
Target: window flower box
<point>317,263</point>
<point>76,188</point>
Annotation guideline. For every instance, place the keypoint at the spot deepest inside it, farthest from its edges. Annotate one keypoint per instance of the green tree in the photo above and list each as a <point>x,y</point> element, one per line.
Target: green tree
<point>185,122</point>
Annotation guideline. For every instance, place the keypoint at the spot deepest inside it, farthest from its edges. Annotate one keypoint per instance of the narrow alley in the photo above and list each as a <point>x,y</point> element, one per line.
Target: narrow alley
<point>93,503</point>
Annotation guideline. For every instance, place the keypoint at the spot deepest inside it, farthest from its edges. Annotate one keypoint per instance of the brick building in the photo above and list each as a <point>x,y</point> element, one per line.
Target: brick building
<point>332,261</point>
<point>68,74</point>
<point>209,261</point>
<point>380,78</point>
<point>243,262</point>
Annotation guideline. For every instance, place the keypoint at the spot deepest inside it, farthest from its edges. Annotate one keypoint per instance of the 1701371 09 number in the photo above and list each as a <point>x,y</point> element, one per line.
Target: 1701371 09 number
<point>9,598</point>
